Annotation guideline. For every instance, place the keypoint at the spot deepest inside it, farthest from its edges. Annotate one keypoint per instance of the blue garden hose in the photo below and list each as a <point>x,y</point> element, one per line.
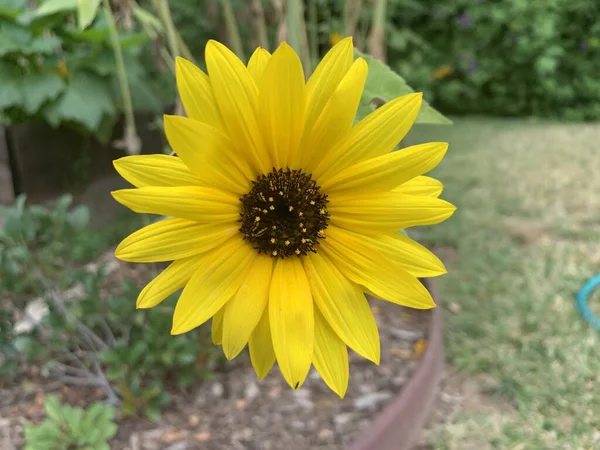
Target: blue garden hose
<point>582,301</point>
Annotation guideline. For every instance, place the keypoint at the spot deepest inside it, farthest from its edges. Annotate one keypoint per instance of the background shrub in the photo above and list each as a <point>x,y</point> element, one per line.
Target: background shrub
<point>502,57</point>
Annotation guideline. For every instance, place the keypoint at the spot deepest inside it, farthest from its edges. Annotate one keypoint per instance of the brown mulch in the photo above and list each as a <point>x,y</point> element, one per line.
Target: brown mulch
<point>236,411</point>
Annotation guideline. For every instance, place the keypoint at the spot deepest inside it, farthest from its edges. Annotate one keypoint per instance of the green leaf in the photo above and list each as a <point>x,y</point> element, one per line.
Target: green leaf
<point>73,417</point>
<point>10,94</point>
<point>54,409</point>
<point>43,45</point>
<point>136,352</point>
<point>86,101</point>
<point>40,88</point>
<point>383,85</point>
<point>13,38</point>
<point>93,34</point>
<point>86,12</point>
<point>45,436</point>
<point>79,217</point>
<point>133,39</point>
<point>12,8</point>
<point>50,7</point>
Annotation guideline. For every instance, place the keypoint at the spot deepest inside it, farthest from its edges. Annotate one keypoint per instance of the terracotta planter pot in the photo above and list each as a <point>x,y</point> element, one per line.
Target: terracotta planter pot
<point>399,425</point>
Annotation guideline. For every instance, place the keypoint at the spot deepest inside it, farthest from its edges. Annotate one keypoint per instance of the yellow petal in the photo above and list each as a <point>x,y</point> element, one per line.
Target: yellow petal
<point>168,281</point>
<point>216,327</point>
<point>330,356</point>
<point>172,239</point>
<point>427,186</point>
<point>237,97</point>
<point>292,320</point>
<point>408,254</point>
<point>196,94</point>
<point>155,170</point>
<point>260,347</point>
<point>388,171</point>
<point>222,272</point>
<point>245,309</point>
<point>281,104</point>
<point>325,79</point>
<point>375,135</point>
<point>337,117</point>
<point>201,204</point>
<point>343,305</point>
<point>209,154</point>
<point>387,211</point>
<point>366,266</point>
<point>257,63</point>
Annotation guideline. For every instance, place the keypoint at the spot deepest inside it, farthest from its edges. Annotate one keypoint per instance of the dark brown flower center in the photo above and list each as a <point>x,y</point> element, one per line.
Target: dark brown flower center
<point>284,214</point>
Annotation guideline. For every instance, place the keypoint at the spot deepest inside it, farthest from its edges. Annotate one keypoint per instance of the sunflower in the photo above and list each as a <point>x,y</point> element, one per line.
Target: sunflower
<point>283,213</point>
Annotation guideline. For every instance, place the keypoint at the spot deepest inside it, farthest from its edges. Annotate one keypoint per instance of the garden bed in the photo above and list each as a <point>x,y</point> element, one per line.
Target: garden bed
<point>236,411</point>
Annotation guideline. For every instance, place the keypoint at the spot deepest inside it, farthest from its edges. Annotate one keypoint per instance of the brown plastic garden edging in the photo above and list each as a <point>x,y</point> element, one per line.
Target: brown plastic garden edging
<point>399,425</point>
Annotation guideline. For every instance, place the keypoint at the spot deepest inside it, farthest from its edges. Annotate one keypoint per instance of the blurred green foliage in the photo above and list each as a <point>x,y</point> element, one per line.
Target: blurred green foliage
<point>509,58</point>
<point>36,233</point>
<point>99,334</point>
<point>68,427</point>
<point>51,70</point>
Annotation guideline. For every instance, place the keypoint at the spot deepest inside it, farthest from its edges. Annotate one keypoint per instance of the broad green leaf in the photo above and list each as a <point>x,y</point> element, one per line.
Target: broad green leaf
<point>54,6</point>
<point>86,12</point>
<point>13,38</point>
<point>10,94</point>
<point>12,8</point>
<point>133,39</point>
<point>383,85</point>
<point>40,88</point>
<point>43,45</point>
<point>86,101</point>
<point>92,34</point>
<point>10,90</point>
<point>79,217</point>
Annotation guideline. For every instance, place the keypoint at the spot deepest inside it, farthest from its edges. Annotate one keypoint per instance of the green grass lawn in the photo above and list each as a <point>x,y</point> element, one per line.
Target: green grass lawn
<point>524,239</point>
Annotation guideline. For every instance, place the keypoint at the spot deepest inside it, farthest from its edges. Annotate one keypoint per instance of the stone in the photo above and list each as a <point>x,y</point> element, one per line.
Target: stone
<point>298,425</point>
<point>406,334</point>
<point>245,434</point>
<point>369,401</point>
<point>178,446</point>
<point>325,435</point>
<point>217,389</point>
<point>343,419</point>
<point>252,391</point>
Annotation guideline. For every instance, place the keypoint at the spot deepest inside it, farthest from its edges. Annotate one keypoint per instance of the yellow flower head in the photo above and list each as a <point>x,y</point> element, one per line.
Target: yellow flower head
<point>334,38</point>
<point>283,212</point>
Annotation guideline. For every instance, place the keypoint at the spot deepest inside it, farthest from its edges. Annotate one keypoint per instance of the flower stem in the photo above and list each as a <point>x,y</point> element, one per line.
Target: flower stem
<point>164,13</point>
<point>376,39</point>
<point>259,23</point>
<point>131,139</point>
<point>296,31</point>
<point>313,31</point>
<point>351,16</point>
<point>233,33</point>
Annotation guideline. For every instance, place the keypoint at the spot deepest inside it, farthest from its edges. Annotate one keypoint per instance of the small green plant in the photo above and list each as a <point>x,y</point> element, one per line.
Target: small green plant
<point>69,427</point>
<point>99,338</point>
<point>36,238</point>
